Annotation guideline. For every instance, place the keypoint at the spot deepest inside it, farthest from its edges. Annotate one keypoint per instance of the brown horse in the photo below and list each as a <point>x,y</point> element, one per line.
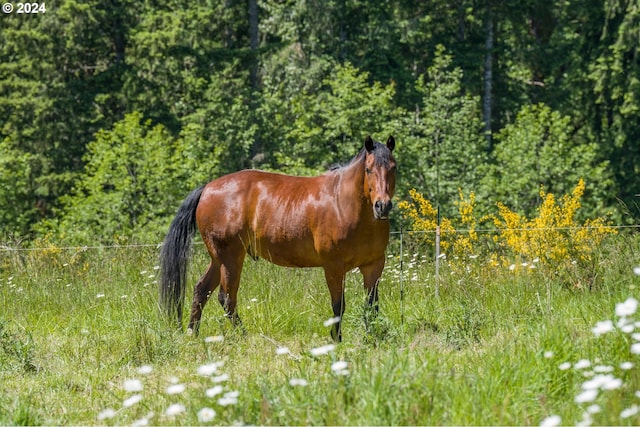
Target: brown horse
<point>337,221</point>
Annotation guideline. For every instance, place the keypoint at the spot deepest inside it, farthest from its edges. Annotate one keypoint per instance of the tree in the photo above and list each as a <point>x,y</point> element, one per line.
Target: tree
<point>329,126</point>
<point>616,80</point>
<point>446,150</point>
<point>218,137</point>
<point>59,84</point>
<point>539,150</point>
<point>128,189</point>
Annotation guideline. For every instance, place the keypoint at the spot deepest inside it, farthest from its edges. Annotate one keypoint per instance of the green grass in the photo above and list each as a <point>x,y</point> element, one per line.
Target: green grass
<point>74,325</point>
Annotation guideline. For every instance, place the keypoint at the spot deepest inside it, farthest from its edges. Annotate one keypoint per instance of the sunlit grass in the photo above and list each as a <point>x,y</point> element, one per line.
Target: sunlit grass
<point>82,342</point>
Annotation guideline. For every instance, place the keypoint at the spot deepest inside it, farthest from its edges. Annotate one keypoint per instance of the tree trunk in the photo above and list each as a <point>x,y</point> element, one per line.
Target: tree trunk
<point>256,145</point>
<point>253,41</point>
<point>488,73</point>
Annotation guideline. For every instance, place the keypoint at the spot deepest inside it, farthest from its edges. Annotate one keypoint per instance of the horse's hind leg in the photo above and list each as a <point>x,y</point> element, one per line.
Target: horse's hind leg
<point>230,272</point>
<point>205,286</point>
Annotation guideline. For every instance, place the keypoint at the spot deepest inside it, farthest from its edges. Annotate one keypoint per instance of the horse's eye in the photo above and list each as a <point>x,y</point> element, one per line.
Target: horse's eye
<point>367,170</point>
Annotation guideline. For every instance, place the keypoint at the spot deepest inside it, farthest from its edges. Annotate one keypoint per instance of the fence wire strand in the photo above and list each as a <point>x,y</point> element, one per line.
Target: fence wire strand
<point>5,248</point>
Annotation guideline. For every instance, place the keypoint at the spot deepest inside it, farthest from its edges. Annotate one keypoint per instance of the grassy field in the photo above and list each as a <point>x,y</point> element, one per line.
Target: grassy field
<point>82,342</point>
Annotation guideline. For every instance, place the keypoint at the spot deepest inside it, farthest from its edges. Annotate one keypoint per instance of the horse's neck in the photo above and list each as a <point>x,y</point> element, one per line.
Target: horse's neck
<point>350,183</point>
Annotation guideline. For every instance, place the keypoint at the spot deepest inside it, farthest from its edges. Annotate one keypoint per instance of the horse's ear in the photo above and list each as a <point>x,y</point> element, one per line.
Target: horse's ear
<point>391,143</point>
<point>368,144</point>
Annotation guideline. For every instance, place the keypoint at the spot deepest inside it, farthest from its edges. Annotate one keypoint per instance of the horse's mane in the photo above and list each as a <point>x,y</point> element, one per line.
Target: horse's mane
<point>381,152</point>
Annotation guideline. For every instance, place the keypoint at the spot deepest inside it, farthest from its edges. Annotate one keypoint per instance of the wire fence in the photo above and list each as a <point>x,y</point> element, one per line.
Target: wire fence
<point>401,232</point>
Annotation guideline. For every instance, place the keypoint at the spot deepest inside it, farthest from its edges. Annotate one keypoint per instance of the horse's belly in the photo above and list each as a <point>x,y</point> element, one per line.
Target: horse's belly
<point>289,254</point>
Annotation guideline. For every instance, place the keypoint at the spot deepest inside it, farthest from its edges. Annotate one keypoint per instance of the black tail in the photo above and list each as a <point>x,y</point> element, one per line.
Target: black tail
<point>174,256</point>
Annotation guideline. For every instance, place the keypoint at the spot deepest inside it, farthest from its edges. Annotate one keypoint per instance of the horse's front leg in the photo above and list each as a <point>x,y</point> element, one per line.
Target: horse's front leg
<point>371,276</point>
<point>335,282</point>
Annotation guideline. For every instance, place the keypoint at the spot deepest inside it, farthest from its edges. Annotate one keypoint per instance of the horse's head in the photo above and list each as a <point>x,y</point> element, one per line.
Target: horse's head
<point>380,175</point>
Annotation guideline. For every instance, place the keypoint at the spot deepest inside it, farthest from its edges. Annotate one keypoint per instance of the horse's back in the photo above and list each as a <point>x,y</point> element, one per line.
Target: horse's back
<point>268,213</point>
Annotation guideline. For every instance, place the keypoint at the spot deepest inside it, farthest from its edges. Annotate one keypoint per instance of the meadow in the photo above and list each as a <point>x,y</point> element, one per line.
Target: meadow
<point>82,342</point>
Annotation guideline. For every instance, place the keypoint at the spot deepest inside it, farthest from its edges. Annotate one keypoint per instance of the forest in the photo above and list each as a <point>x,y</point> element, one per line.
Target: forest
<point>112,111</point>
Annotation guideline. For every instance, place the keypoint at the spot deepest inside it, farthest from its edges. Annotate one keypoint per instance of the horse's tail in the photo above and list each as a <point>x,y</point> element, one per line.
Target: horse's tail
<point>174,256</point>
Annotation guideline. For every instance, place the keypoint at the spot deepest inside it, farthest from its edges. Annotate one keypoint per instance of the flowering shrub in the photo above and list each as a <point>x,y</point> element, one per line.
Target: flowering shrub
<point>553,237</point>
<point>460,241</point>
<point>424,218</point>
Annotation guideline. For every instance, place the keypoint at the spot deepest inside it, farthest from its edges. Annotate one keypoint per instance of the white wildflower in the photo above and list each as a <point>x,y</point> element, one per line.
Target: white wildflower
<point>340,367</point>
<point>551,421</point>
<point>206,415</point>
<point>629,412</point>
<point>586,421</point>
<point>627,308</point>
<point>144,421</point>
<point>145,369</point>
<point>594,409</point>
<point>220,378</point>
<point>636,271</point>
<point>106,414</point>
<point>586,396</point>
<point>564,366</point>
<point>282,350</point>
<point>603,327</point>
<point>332,321</point>
<point>602,369</point>
<point>132,400</point>
<point>325,349</point>
<point>612,384</point>
<point>604,382</point>
<point>626,366</point>
<point>132,385</point>
<point>214,391</point>
<point>626,325</point>
<point>635,348</point>
<point>230,398</point>
<point>216,338</point>
<point>176,388</point>
<point>301,382</point>
<point>208,369</point>
<point>582,364</point>
<point>175,409</point>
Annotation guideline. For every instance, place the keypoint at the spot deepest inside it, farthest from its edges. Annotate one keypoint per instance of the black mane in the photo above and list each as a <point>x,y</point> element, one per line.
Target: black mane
<point>380,151</point>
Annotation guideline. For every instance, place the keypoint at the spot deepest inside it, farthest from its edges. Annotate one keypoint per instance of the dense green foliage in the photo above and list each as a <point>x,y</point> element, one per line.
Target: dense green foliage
<point>494,98</point>
<point>496,347</point>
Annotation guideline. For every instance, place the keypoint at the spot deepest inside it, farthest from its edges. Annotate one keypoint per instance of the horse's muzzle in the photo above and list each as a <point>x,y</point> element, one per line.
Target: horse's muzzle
<point>381,209</point>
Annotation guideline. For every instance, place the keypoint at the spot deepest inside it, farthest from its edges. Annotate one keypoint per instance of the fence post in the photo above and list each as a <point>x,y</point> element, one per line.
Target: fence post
<point>401,278</point>
<point>438,261</point>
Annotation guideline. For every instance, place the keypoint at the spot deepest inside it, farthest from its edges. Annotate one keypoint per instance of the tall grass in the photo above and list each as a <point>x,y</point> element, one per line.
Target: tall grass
<point>495,347</point>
